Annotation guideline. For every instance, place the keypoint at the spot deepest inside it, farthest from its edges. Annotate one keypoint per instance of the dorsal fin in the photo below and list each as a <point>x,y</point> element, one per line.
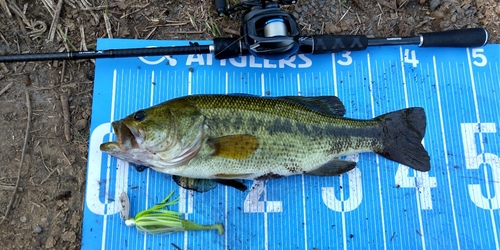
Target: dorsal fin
<point>328,105</point>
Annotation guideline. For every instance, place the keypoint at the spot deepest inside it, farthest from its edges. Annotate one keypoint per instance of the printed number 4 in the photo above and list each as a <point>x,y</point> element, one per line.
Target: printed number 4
<point>411,57</point>
<point>473,160</point>
<point>422,182</point>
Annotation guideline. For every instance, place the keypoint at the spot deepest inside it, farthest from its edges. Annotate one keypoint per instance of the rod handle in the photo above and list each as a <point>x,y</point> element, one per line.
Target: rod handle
<point>474,37</point>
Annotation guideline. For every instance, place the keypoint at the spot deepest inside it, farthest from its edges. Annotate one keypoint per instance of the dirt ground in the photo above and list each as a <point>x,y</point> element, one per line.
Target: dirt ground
<point>46,210</point>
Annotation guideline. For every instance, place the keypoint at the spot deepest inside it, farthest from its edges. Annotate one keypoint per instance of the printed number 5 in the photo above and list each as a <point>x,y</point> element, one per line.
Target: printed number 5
<point>474,161</point>
<point>476,53</point>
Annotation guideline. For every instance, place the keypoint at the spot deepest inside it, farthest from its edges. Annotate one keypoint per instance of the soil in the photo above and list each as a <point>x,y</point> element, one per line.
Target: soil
<point>46,210</point>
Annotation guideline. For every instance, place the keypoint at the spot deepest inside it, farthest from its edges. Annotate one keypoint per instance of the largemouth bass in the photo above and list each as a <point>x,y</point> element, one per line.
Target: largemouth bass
<point>204,139</point>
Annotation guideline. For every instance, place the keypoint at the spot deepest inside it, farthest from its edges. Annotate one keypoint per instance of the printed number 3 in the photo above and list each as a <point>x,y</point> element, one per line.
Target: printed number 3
<point>474,161</point>
<point>348,59</point>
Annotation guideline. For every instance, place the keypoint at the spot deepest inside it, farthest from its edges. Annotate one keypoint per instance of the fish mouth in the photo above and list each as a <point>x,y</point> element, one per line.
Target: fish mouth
<point>127,137</point>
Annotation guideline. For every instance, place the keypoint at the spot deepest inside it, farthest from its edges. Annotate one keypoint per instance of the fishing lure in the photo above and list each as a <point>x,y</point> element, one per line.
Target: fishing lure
<point>158,219</point>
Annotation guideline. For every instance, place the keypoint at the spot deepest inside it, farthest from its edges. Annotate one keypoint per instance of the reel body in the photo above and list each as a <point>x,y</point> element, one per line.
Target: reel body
<point>270,32</point>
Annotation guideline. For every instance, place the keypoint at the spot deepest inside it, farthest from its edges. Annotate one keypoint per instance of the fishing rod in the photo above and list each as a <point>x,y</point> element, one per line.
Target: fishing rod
<point>271,33</point>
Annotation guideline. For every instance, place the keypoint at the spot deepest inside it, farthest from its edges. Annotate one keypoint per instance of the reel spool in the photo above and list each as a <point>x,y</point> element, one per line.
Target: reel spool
<point>270,33</point>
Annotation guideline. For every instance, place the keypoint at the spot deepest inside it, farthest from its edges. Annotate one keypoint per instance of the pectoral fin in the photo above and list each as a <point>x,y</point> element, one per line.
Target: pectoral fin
<point>234,146</point>
<point>204,185</point>
<point>139,168</point>
<point>198,185</point>
<point>231,176</point>
<point>333,167</point>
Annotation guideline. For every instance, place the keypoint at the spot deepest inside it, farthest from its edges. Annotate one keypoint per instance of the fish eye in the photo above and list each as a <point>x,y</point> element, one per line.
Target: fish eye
<point>139,115</point>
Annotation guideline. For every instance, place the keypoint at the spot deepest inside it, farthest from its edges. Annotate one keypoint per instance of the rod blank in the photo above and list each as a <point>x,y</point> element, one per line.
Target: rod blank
<point>224,48</point>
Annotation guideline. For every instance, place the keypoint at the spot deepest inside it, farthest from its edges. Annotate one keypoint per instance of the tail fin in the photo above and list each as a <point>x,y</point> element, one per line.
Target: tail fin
<point>403,133</point>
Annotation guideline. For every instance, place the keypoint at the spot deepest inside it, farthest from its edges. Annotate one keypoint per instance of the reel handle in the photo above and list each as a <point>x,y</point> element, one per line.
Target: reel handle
<point>220,6</point>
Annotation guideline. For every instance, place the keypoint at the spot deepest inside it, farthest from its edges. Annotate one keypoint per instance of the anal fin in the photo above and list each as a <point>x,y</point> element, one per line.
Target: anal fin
<point>233,183</point>
<point>333,167</point>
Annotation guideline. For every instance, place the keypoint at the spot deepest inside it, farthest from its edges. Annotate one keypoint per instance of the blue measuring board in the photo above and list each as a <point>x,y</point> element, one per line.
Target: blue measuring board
<point>379,204</point>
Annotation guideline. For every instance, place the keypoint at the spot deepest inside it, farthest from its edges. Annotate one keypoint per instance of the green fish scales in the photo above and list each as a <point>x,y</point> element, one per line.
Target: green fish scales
<point>292,137</point>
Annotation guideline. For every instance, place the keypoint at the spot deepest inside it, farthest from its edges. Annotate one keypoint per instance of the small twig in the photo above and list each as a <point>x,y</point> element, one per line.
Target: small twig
<point>84,4</point>
<point>66,39</point>
<point>43,162</point>
<point>186,32</point>
<point>380,7</point>
<point>135,11</point>
<point>66,114</point>
<point>38,28</point>
<point>167,25</point>
<point>231,31</point>
<point>69,163</point>
<point>36,204</point>
<point>22,21</point>
<point>6,187</point>
<point>4,6</point>
<point>347,11</point>
<point>108,25</point>
<point>55,21</point>
<point>28,125</point>
<point>83,44</point>
<point>19,13</point>
<point>70,4</point>
<point>63,71</point>
<point>4,68</point>
<point>112,5</point>
<point>3,38</point>
<point>151,33</point>
<point>6,88</point>
<point>49,5</point>
<point>48,176</point>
